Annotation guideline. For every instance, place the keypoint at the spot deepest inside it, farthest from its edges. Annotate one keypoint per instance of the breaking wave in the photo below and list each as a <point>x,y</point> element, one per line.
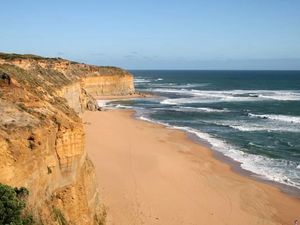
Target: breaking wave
<point>199,109</point>
<point>141,80</point>
<point>249,126</point>
<point>200,96</point>
<point>281,118</point>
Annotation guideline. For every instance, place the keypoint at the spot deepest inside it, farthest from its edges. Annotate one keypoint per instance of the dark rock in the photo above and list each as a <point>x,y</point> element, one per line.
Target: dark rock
<point>5,78</point>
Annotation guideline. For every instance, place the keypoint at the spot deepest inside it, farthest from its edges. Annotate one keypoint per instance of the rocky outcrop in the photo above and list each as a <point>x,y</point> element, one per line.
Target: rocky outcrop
<point>42,135</point>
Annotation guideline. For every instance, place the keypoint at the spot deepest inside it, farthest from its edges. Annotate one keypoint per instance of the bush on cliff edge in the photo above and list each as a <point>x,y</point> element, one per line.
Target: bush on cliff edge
<point>12,205</point>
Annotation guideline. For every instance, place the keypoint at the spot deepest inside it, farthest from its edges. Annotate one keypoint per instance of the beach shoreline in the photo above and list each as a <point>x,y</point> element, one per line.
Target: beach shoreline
<point>235,165</point>
<point>265,205</point>
<point>236,168</point>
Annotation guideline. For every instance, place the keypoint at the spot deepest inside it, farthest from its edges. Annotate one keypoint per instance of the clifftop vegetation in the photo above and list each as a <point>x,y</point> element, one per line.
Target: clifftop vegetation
<point>13,56</point>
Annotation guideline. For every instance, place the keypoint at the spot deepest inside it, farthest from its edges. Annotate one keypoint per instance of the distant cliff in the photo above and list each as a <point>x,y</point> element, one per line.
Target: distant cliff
<point>42,135</point>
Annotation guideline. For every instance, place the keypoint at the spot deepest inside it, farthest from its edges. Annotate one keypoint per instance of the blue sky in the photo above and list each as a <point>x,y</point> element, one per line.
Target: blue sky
<point>157,34</point>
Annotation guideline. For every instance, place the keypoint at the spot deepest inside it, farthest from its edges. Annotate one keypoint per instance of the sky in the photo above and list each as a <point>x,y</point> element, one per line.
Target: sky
<point>157,34</point>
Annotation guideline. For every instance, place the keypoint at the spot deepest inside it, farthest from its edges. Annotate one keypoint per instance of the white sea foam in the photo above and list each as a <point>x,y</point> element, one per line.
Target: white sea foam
<point>179,101</point>
<point>199,109</point>
<point>210,99</point>
<point>171,90</point>
<point>190,85</point>
<point>283,96</point>
<point>103,103</point>
<point>264,128</point>
<point>155,87</point>
<point>282,118</point>
<point>122,106</point>
<point>152,121</point>
<point>141,80</point>
<point>228,96</point>
<point>249,126</point>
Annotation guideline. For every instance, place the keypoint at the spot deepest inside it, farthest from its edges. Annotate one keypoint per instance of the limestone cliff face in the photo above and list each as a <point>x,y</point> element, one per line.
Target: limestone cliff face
<point>42,135</point>
<point>108,85</point>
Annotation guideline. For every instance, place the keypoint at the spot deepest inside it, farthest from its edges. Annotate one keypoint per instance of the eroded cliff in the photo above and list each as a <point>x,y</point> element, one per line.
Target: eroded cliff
<point>42,135</point>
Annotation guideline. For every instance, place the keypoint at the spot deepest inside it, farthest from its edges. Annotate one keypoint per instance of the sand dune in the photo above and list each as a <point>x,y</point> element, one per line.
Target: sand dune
<point>149,174</point>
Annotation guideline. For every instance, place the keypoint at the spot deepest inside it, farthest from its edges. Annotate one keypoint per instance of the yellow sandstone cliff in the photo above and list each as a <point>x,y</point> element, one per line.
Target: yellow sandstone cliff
<point>42,135</point>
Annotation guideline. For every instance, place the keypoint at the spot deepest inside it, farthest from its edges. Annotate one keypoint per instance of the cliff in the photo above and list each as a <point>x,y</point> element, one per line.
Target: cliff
<point>42,135</point>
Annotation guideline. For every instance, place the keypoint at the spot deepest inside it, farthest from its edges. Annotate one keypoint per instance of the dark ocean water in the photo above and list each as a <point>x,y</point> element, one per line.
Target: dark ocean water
<point>252,117</point>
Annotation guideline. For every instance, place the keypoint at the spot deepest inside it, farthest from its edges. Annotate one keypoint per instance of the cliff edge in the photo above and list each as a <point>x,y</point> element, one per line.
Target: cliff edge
<point>42,137</point>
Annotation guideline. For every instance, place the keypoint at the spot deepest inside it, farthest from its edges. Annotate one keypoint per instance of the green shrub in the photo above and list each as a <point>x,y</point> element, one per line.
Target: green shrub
<point>12,205</point>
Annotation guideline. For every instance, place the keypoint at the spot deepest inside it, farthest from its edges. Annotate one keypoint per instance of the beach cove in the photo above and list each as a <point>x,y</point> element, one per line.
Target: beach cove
<point>149,174</point>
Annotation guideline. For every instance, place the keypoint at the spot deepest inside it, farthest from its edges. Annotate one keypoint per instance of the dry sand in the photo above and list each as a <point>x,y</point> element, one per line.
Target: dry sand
<point>149,174</point>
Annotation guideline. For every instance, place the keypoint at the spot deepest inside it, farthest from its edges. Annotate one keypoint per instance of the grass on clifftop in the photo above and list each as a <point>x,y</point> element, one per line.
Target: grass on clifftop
<point>14,56</point>
<point>11,56</point>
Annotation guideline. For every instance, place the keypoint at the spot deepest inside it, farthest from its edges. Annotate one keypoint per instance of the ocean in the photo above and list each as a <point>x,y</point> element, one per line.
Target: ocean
<point>252,117</point>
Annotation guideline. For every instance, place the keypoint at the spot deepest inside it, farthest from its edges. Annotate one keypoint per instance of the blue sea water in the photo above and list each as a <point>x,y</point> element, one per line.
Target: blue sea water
<point>252,117</point>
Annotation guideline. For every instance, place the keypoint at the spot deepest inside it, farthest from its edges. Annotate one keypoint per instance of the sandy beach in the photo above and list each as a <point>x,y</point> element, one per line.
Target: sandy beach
<point>149,174</point>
